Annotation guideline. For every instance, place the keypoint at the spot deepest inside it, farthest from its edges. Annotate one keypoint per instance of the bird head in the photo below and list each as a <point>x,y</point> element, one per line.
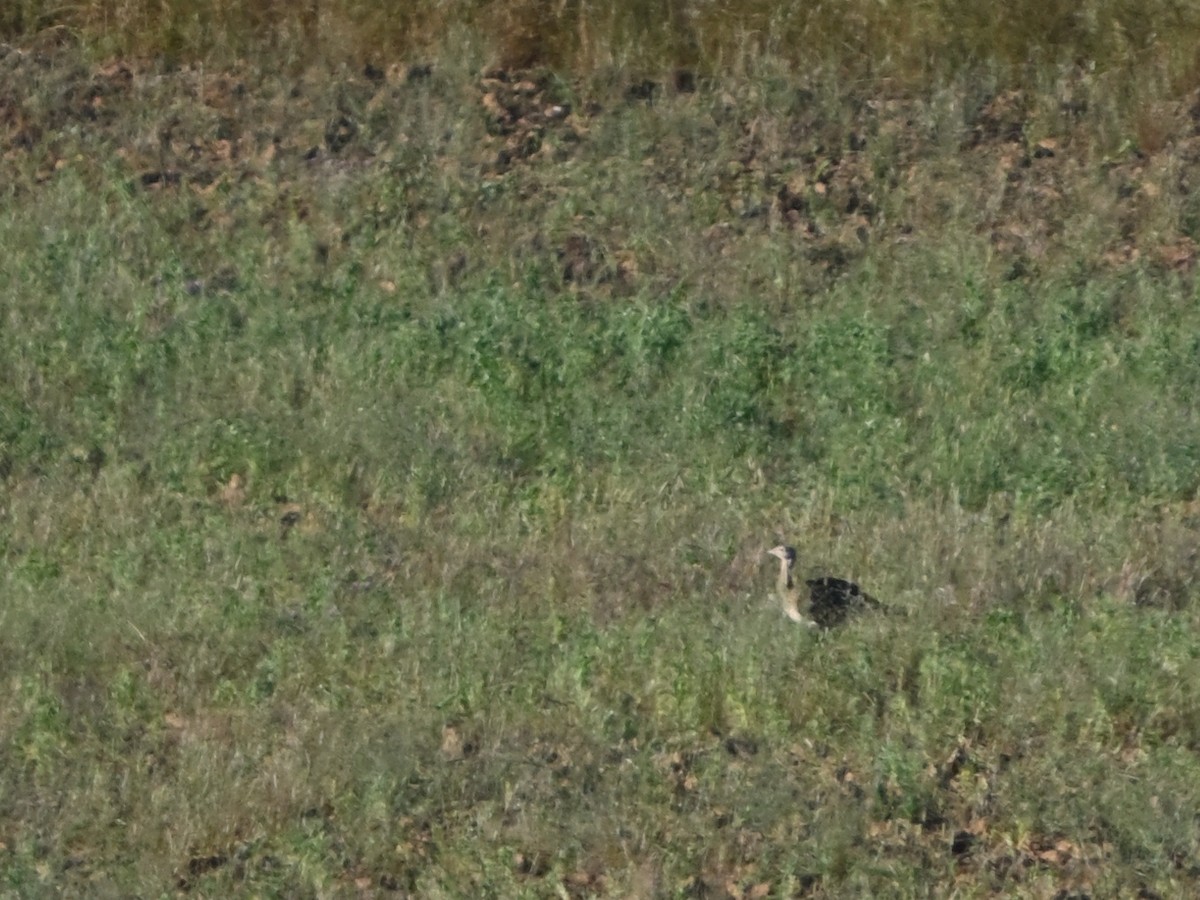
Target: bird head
<point>785,553</point>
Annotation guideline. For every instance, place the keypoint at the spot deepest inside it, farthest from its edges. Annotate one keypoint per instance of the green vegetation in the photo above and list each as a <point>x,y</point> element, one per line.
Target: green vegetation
<point>388,457</point>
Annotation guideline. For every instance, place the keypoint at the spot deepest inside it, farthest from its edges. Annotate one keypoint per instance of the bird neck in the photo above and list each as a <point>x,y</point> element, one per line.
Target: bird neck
<point>785,575</point>
<point>792,612</point>
<point>789,597</point>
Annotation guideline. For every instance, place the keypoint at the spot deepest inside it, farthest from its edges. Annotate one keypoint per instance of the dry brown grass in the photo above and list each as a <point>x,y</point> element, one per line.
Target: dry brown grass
<point>906,43</point>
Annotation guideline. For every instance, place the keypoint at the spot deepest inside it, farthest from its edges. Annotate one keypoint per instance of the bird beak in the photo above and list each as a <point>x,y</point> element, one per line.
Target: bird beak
<point>777,552</point>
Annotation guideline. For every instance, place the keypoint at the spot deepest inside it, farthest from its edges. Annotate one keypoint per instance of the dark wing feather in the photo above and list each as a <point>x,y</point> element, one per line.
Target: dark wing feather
<point>832,600</point>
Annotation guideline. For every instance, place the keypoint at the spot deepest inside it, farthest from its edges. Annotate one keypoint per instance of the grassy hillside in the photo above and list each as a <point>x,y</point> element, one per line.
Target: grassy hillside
<point>1148,45</point>
<point>388,456</point>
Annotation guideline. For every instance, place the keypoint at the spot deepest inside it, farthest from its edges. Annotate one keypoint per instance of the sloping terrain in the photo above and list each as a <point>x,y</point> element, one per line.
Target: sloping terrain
<point>389,457</point>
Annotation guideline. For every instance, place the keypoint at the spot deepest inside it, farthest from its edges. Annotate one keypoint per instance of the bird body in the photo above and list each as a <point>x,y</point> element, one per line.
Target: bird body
<point>830,600</point>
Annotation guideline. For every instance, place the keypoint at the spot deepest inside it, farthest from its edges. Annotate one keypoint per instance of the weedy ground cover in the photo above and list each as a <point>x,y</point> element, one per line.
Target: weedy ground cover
<point>388,459</point>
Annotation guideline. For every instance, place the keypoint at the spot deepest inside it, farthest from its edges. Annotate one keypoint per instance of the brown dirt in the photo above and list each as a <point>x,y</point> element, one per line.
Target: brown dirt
<point>827,180</point>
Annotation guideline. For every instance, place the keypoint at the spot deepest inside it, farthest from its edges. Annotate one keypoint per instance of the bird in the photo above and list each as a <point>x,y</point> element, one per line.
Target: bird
<point>830,600</point>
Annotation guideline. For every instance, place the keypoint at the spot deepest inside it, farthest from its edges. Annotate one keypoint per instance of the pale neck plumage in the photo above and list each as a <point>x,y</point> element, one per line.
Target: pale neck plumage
<point>789,597</point>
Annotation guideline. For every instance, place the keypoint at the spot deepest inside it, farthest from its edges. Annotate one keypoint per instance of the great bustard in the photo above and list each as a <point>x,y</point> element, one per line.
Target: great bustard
<point>830,600</point>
